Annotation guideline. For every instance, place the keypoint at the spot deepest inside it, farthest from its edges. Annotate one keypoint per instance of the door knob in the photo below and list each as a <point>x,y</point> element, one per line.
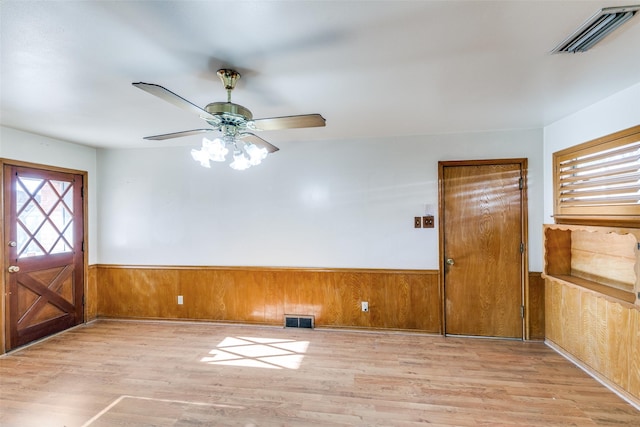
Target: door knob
<point>13,269</point>
<point>450,261</point>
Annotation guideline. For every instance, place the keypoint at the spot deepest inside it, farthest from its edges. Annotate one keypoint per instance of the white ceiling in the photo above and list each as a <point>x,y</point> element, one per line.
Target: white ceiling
<point>371,68</point>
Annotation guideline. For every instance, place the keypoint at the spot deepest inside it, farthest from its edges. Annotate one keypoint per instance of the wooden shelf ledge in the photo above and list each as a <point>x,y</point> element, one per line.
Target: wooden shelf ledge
<point>617,294</point>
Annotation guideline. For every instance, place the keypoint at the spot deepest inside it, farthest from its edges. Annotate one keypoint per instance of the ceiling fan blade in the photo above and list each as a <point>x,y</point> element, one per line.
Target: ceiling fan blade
<point>173,98</point>
<point>290,122</point>
<point>259,141</point>
<point>177,134</point>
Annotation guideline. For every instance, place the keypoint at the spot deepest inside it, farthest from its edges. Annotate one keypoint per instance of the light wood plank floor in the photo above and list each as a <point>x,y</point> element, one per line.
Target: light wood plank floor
<point>121,373</point>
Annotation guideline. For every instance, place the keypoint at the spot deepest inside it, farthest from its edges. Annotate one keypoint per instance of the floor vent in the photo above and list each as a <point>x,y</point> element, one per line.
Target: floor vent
<point>297,321</point>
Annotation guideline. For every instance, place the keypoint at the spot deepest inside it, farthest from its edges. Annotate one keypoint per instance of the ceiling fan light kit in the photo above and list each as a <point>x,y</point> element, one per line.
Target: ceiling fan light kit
<point>215,150</point>
<point>596,28</point>
<point>234,122</point>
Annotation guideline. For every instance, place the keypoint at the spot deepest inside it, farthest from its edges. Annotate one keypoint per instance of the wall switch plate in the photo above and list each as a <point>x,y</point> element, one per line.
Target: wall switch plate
<point>417,223</point>
<point>180,300</point>
<point>427,221</point>
<point>365,306</point>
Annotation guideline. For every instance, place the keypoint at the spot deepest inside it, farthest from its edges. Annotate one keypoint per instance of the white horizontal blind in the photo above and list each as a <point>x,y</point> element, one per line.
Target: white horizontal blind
<point>599,180</point>
<point>609,177</point>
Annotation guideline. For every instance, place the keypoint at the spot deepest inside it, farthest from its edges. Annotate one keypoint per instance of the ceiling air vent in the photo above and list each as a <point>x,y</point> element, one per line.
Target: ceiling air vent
<point>596,28</point>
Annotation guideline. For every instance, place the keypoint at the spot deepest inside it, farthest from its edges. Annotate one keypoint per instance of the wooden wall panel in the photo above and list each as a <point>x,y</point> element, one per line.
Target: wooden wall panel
<point>398,299</point>
<point>149,293</point>
<point>316,293</point>
<point>2,317</point>
<point>426,314</point>
<point>91,294</point>
<point>535,307</point>
<point>335,302</point>
<point>570,312</point>
<point>552,297</point>
<point>618,345</point>
<point>634,354</point>
<point>557,252</point>
<point>603,363</point>
<point>601,333</point>
<point>615,257</point>
<point>241,296</point>
<point>589,330</point>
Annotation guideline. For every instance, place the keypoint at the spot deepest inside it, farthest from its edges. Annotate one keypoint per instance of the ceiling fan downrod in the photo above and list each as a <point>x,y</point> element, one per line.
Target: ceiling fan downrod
<point>229,79</point>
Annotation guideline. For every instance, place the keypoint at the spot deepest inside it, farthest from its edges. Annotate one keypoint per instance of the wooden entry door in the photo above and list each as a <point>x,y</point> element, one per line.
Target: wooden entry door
<point>482,252</point>
<point>44,226</point>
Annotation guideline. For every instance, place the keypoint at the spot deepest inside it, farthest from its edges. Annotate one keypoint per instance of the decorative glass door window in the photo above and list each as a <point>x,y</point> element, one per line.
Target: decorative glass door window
<point>44,209</point>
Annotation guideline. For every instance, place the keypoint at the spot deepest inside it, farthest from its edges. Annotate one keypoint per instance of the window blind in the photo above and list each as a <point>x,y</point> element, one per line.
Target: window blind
<point>600,178</point>
<point>608,178</point>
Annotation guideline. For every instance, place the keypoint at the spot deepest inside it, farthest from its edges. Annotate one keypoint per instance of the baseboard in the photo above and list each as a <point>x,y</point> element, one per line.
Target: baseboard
<point>625,395</point>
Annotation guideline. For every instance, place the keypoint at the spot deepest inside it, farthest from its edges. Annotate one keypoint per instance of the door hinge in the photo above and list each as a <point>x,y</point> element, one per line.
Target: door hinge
<point>83,300</point>
<point>83,246</point>
<point>521,247</point>
<point>522,311</point>
<point>520,183</point>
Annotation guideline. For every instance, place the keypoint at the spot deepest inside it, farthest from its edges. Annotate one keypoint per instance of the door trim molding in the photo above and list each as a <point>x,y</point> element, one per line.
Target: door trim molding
<point>524,274</point>
<point>4,321</point>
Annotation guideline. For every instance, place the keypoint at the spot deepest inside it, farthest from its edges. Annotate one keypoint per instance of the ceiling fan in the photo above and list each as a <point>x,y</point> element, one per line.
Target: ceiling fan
<point>234,122</point>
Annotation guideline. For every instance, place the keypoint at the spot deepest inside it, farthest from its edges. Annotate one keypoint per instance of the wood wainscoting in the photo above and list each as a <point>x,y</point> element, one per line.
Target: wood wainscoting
<point>398,299</point>
<point>91,294</point>
<point>535,307</point>
<point>597,332</point>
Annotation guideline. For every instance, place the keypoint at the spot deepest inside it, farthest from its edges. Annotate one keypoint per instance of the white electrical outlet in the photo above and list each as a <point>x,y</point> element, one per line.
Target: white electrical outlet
<point>180,300</point>
<point>365,306</point>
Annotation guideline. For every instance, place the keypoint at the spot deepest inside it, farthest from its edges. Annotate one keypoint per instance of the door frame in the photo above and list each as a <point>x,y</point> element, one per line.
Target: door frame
<point>4,312</point>
<point>524,274</point>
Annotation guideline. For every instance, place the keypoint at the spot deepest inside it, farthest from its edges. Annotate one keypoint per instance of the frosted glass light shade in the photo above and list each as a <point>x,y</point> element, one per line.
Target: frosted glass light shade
<point>246,154</point>
<point>216,148</point>
<point>201,156</point>
<point>240,161</point>
<point>256,155</point>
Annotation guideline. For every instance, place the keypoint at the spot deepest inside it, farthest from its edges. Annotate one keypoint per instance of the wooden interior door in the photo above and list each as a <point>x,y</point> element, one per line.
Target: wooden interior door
<point>44,225</point>
<point>482,236</point>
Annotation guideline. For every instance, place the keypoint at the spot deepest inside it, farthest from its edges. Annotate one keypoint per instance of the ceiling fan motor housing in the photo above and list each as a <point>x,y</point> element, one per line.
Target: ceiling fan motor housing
<point>229,108</point>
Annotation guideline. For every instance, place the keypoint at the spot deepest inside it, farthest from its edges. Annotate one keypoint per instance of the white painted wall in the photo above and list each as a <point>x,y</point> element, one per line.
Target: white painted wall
<point>313,204</point>
<point>27,147</point>
<point>617,112</point>
<point>317,204</point>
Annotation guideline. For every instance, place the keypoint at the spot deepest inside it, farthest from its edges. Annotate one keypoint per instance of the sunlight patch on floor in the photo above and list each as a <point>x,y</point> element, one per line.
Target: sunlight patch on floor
<point>147,411</point>
<point>251,352</point>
